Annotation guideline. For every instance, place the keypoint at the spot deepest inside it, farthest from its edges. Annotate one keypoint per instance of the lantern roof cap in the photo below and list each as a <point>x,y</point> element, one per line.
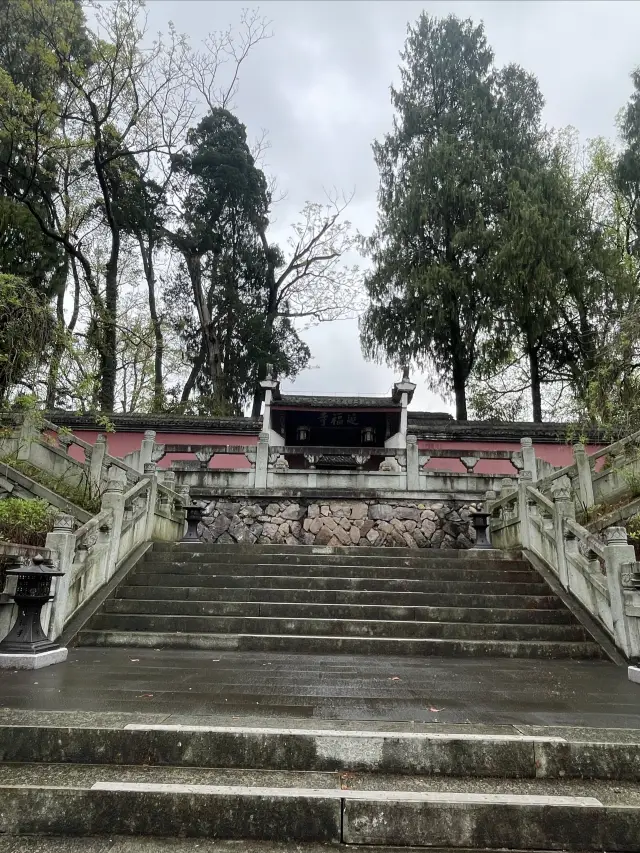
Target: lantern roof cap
<point>36,566</point>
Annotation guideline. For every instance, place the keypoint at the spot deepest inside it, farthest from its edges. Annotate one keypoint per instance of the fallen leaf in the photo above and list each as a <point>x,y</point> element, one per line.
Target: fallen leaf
<point>435,710</point>
<point>135,660</point>
<point>395,678</point>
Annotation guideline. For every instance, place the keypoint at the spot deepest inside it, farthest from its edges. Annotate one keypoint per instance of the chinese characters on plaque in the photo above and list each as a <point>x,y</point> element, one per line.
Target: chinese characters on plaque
<point>337,419</point>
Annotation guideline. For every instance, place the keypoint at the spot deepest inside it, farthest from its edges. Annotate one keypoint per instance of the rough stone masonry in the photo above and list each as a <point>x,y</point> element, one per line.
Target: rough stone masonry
<point>405,523</point>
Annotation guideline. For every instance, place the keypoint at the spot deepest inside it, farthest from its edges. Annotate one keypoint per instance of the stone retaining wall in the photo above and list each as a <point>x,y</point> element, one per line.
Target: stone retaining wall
<point>413,524</point>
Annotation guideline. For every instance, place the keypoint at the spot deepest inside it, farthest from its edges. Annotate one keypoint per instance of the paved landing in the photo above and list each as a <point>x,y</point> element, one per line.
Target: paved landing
<point>220,686</point>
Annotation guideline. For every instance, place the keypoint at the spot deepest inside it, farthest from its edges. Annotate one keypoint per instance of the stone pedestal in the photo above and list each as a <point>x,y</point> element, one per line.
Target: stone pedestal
<point>33,661</point>
<point>634,674</point>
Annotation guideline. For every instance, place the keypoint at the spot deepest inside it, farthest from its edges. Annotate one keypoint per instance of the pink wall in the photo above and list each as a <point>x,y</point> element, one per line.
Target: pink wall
<point>558,455</point>
<point>121,443</point>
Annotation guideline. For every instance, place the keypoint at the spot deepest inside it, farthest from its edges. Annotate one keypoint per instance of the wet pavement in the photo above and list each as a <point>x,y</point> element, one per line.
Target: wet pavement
<point>215,686</point>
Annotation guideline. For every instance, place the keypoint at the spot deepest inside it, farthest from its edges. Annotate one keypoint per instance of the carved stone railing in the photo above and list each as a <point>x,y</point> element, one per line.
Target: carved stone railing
<point>603,576</point>
<point>602,477</point>
<point>203,453</point>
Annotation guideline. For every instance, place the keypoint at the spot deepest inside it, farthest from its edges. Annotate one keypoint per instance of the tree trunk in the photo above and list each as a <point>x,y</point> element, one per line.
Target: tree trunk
<point>536,398</point>
<point>196,367</point>
<point>56,356</point>
<point>271,312</point>
<point>108,356</point>
<point>460,391</point>
<point>209,337</point>
<point>461,401</point>
<point>146,252</point>
<point>257,402</point>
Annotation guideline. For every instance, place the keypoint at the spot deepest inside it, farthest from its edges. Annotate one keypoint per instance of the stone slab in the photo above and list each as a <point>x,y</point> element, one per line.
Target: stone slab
<point>37,661</point>
<point>460,797</point>
<point>634,674</point>
<point>430,691</point>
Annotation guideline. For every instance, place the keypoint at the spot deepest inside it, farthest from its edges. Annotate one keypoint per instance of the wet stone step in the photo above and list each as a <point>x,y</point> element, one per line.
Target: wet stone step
<point>200,593</point>
<point>458,753</point>
<point>455,572</point>
<point>335,627</point>
<point>327,645</point>
<point>338,611</point>
<point>371,584</point>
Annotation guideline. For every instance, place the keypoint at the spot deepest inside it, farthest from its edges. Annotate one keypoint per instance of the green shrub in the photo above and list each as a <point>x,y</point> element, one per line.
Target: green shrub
<point>24,521</point>
<point>82,495</point>
<point>633,532</point>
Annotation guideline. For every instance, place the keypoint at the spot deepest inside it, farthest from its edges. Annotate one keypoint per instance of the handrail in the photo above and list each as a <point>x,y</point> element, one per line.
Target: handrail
<point>539,498</point>
<point>504,500</point>
<point>140,486</point>
<point>617,445</point>
<point>93,522</point>
<point>593,543</point>
<point>108,458</point>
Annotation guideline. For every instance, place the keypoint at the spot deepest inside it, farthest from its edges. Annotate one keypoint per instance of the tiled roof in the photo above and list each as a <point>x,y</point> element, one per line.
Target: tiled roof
<point>423,425</point>
<point>160,423</point>
<point>310,401</point>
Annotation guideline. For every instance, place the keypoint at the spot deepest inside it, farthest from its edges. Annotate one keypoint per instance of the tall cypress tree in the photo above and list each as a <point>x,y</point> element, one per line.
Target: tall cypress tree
<point>461,127</point>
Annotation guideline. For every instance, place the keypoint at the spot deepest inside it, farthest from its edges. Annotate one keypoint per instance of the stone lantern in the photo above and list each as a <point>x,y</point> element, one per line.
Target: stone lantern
<point>194,517</point>
<point>481,523</point>
<point>26,646</point>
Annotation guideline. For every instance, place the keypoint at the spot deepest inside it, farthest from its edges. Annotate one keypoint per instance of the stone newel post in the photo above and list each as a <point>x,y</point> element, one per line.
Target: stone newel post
<point>529,458</point>
<point>584,475</point>
<point>262,461</point>
<point>413,464</point>
<point>619,560</point>
<point>113,499</point>
<point>61,541</point>
<point>146,449</point>
<point>97,461</point>
<point>564,508</point>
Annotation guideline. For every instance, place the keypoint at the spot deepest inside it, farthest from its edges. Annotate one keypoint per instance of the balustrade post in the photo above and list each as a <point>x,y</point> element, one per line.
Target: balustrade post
<point>113,500</point>
<point>262,461</point>
<point>619,564</point>
<point>150,471</point>
<point>146,449</point>
<point>489,498</point>
<point>169,479</point>
<point>61,542</point>
<point>524,480</point>
<point>28,433</point>
<point>563,508</point>
<point>529,458</point>
<point>585,479</point>
<point>413,464</point>
<point>97,461</point>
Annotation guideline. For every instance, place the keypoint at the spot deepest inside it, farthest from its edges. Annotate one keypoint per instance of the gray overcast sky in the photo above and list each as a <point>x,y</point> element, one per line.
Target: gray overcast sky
<point>320,87</point>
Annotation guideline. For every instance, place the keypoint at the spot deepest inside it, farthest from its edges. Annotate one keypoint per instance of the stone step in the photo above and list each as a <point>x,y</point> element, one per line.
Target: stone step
<point>298,644</point>
<point>457,751</point>
<point>333,627</point>
<point>341,596</point>
<point>441,572</point>
<point>410,559</point>
<point>371,584</point>
<point>525,814</point>
<point>357,551</point>
<point>338,611</point>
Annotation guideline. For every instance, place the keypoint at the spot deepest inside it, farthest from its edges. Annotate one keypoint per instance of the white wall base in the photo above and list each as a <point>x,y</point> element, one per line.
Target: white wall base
<point>37,661</point>
<point>634,674</point>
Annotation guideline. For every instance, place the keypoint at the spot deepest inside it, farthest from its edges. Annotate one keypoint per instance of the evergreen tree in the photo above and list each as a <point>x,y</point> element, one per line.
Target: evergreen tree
<point>461,128</point>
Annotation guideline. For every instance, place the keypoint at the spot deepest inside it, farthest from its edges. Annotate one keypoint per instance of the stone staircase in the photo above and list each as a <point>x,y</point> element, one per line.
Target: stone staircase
<point>105,784</point>
<point>338,600</point>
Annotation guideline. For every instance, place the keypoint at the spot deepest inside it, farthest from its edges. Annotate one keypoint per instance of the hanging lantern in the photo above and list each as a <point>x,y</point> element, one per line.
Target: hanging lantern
<point>368,435</point>
<point>302,433</point>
